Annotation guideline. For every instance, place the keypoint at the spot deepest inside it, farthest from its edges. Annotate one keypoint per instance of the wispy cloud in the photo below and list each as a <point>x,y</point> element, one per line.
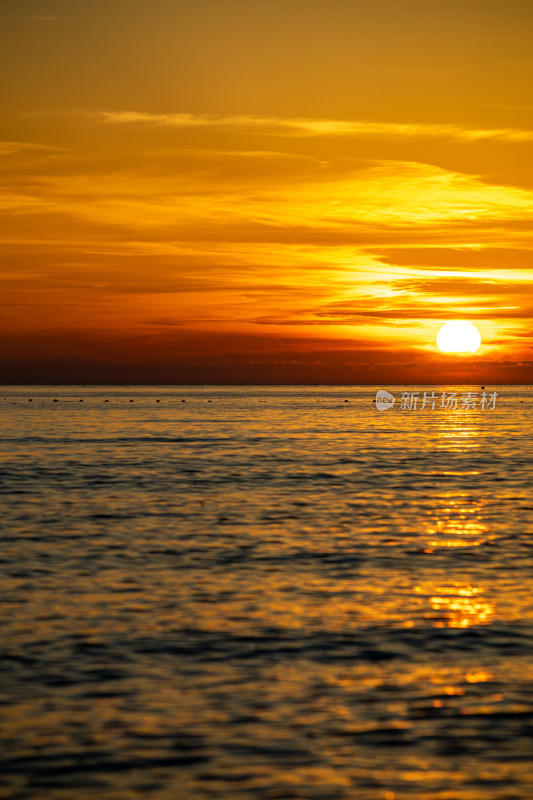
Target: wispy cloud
<point>392,195</point>
<point>301,126</point>
<point>10,148</point>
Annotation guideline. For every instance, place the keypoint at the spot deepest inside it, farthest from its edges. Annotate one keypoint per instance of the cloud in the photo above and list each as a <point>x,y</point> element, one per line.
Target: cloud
<point>141,237</point>
<point>12,148</point>
<point>301,126</point>
<point>466,258</point>
<point>200,202</point>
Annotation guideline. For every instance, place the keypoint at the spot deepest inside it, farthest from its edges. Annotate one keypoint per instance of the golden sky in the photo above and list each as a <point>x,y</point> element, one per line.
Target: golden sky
<point>253,191</point>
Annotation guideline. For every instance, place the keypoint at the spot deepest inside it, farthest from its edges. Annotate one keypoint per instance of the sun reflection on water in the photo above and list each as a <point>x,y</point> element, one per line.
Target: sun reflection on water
<point>456,605</point>
<point>460,607</point>
<point>457,518</point>
<point>457,521</point>
<point>458,431</point>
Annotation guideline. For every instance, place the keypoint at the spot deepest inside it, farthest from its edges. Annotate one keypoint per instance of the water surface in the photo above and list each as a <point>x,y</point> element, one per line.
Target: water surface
<point>265,592</point>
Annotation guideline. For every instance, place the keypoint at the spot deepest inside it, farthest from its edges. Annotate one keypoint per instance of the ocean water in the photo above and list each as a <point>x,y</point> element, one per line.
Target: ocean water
<point>246,593</point>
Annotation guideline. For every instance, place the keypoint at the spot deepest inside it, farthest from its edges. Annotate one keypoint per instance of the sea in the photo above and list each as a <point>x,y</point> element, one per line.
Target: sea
<point>266,593</point>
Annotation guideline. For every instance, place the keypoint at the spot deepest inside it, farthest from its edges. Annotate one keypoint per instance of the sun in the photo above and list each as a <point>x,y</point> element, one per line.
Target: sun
<point>458,337</point>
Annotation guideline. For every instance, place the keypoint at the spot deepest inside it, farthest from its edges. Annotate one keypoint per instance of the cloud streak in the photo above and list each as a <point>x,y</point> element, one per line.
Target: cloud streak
<point>301,126</point>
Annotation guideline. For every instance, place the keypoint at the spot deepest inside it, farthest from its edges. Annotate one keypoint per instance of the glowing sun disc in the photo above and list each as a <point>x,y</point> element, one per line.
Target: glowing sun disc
<point>458,337</point>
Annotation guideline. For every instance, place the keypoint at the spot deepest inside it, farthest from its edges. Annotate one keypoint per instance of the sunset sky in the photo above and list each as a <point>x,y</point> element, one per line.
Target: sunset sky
<point>265,191</point>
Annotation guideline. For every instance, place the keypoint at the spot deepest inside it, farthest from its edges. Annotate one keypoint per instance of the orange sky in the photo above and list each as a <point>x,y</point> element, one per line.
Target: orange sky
<point>291,191</point>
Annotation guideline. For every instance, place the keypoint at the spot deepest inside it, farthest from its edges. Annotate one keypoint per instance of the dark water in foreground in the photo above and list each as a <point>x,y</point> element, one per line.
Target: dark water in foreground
<point>275,594</point>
